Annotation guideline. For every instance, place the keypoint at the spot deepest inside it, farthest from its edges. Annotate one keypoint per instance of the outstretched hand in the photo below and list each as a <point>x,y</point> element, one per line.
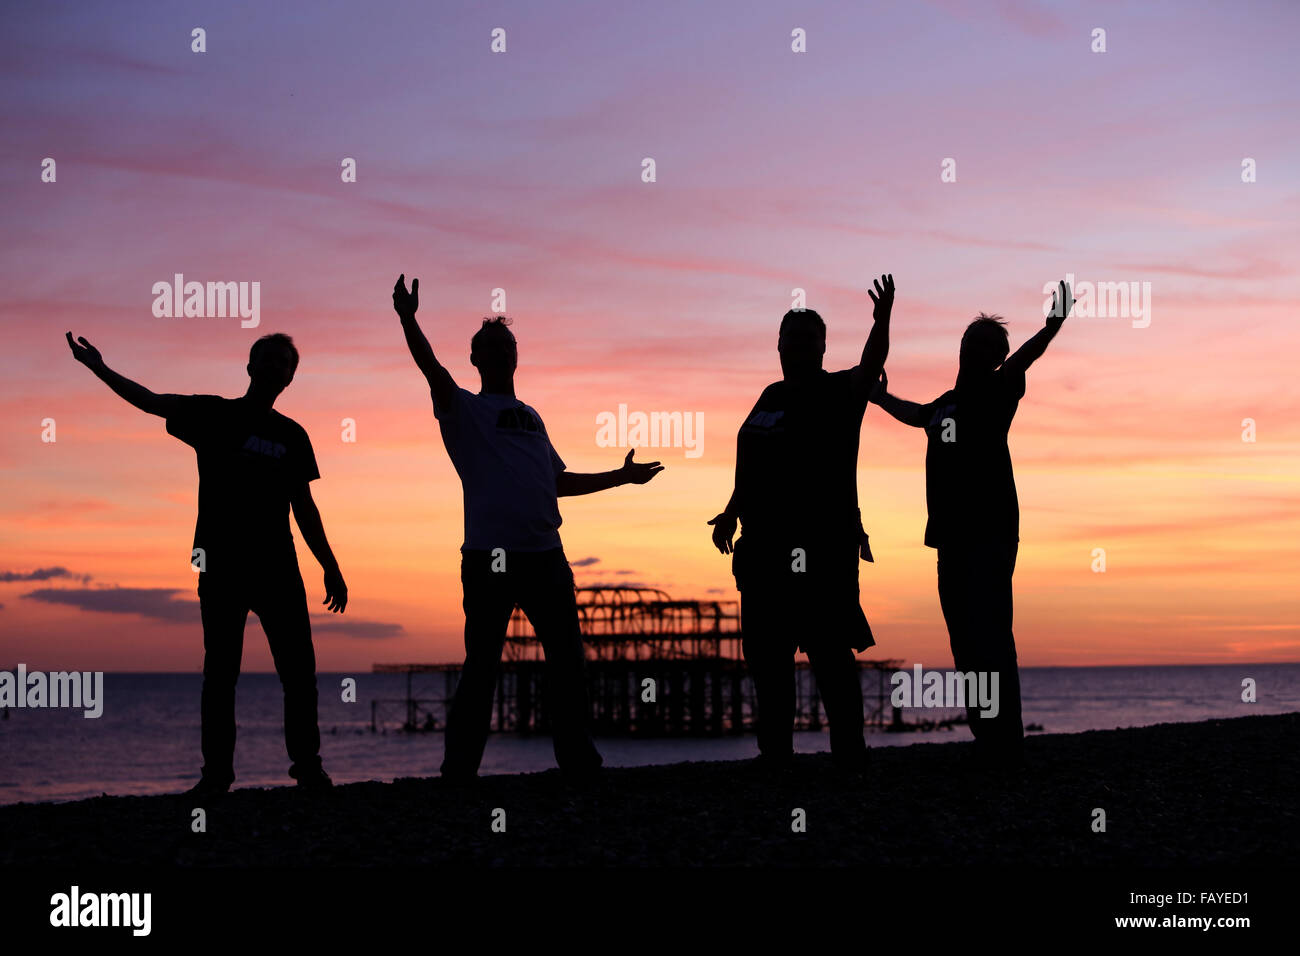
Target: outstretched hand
<point>85,353</point>
<point>883,297</point>
<point>724,529</point>
<point>638,472</point>
<point>1062,303</point>
<point>405,303</point>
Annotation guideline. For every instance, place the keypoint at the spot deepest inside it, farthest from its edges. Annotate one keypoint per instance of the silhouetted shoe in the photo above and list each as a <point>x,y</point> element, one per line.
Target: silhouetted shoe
<point>851,769</point>
<point>207,787</point>
<point>1002,763</point>
<point>1010,767</point>
<point>458,778</point>
<point>776,765</point>
<point>582,774</point>
<point>316,779</point>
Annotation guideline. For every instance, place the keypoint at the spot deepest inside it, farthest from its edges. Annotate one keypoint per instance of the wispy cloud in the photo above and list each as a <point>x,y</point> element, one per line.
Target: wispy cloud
<point>160,604</point>
<point>367,630</point>
<point>42,574</point>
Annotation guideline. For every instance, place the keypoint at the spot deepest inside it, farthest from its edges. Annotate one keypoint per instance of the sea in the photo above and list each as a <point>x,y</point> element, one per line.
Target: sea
<point>147,739</point>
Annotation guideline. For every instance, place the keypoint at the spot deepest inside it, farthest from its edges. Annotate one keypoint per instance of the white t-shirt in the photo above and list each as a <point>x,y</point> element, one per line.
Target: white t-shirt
<point>507,469</point>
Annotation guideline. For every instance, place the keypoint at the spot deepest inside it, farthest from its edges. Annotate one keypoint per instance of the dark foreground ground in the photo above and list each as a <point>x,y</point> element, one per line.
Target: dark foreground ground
<point>1177,794</point>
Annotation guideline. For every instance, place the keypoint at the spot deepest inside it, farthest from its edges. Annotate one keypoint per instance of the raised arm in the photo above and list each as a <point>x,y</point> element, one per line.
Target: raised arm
<point>1033,349</point>
<point>133,392</point>
<point>441,383</point>
<point>909,413</point>
<point>313,532</point>
<point>568,483</point>
<point>874,353</point>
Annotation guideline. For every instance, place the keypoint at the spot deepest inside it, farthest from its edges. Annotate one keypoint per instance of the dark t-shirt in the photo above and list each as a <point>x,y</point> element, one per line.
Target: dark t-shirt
<point>251,463</point>
<point>970,488</point>
<point>797,459</point>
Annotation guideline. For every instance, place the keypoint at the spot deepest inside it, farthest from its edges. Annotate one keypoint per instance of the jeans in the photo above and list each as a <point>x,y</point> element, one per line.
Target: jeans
<point>818,611</point>
<point>541,584</point>
<point>975,593</point>
<point>276,595</point>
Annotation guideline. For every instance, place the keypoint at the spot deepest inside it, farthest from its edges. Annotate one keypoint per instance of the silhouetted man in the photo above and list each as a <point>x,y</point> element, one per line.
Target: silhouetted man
<point>796,562</point>
<point>254,465</point>
<point>974,515</point>
<point>511,478</point>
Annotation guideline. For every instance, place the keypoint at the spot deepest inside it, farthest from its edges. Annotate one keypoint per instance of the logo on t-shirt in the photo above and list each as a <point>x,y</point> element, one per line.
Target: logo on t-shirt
<point>263,447</point>
<point>518,419</point>
<point>765,419</point>
<point>941,414</point>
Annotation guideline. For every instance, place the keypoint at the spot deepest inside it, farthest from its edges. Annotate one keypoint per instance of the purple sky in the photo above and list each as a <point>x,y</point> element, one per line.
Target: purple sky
<point>775,170</point>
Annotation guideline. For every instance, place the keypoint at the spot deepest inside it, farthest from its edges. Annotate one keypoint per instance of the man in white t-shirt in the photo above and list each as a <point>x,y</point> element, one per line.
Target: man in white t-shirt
<point>511,477</point>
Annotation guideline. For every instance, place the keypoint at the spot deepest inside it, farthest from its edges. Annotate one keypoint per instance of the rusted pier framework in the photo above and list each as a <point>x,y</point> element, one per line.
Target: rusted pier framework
<point>689,649</point>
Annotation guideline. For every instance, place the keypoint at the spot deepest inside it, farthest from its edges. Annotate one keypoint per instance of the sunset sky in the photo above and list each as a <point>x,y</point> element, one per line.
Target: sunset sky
<point>775,170</point>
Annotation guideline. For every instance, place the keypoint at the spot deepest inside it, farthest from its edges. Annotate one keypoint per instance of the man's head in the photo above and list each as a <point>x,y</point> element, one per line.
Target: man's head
<point>985,344</point>
<point>801,342</point>
<point>271,363</point>
<point>493,350</point>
